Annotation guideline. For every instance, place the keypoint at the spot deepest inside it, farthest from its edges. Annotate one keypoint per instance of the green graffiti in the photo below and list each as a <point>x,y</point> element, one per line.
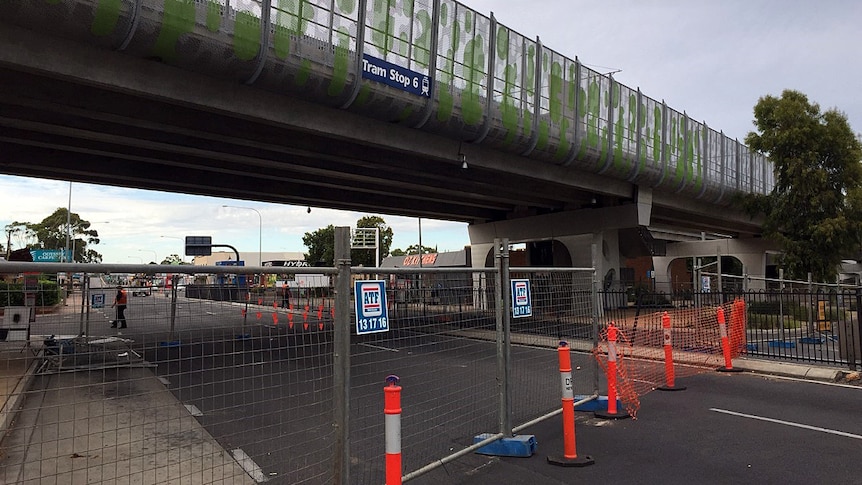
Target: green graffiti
<point>106,16</point>
<point>304,72</point>
<point>502,42</point>
<point>445,76</point>
<point>364,95</point>
<point>697,162</point>
<point>405,113</point>
<point>347,6</point>
<point>407,8</point>
<point>246,36</point>
<point>564,145</point>
<point>656,141</point>
<point>544,135</point>
<point>474,62</point>
<point>422,51</point>
<point>383,33</point>
<point>341,64</point>
<point>555,92</point>
<point>178,19</point>
<point>213,16</point>
<point>291,17</point>
<point>593,107</point>
<point>509,111</point>
<point>530,72</point>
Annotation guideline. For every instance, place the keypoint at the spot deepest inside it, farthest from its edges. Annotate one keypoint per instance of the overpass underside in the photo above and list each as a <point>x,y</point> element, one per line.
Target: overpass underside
<point>91,102</point>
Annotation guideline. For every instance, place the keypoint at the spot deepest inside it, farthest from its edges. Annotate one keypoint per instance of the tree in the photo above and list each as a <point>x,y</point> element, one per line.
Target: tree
<point>173,259</point>
<point>413,249</point>
<point>321,244</point>
<point>366,257</point>
<point>21,234</point>
<point>815,210</point>
<point>51,234</point>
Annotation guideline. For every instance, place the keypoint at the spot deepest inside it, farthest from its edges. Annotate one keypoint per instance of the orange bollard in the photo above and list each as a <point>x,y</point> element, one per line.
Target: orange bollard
<point>725,343</point>
<point>392,424</point>
<point>612,412</point>
<point>668,356</point>
<point>570,455</point>
<point>305,319</point>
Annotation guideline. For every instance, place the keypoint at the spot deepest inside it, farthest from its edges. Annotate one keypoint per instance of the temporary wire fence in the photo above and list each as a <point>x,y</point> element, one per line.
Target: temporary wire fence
<point>215,380</point>
<point>695,337</point>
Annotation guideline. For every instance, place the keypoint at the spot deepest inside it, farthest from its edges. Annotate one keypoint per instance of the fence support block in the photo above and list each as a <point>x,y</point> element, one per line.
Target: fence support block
<point>523,445</point>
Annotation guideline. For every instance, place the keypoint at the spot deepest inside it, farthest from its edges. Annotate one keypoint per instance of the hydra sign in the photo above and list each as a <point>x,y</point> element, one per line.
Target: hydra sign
<point>396,76</point>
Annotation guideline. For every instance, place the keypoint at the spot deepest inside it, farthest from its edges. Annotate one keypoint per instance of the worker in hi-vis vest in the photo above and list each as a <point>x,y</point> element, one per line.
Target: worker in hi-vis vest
<point>120,301</point>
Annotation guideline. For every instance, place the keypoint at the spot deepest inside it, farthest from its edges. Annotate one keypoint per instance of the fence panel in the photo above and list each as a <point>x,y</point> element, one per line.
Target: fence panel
<point>211,380</point>
<point>216,379</point>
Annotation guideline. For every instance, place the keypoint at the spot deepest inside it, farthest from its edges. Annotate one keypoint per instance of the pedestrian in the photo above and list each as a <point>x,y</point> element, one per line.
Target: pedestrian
<point>285,295</point>
<point>120,301</point>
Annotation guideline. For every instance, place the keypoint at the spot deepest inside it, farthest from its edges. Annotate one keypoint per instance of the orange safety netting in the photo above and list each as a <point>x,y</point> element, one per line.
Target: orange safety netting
<point>696,347</point>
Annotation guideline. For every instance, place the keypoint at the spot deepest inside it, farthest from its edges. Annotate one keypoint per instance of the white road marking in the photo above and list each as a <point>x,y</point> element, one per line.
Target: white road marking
<point>249,465</point>
<point>193,410</point>
<point>789,423</point>
<point>380,347</point>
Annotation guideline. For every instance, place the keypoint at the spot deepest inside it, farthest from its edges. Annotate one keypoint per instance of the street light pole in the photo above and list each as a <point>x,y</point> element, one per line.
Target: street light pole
<point>65,257</point>
<point>155,256</point>
<point>182,253</point>
<point>259,234</point>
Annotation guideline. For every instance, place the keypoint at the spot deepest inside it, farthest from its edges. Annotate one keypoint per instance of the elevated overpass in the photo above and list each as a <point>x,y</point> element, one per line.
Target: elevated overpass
<point>392,107</point>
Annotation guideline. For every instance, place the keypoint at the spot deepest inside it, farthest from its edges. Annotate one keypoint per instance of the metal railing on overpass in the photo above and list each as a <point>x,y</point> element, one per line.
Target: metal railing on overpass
<point>435,65</point>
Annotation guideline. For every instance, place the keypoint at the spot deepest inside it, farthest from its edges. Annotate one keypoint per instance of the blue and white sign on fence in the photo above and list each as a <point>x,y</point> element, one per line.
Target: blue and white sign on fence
<point>396,76</point>
<point>97,300</point>
<point>372,315</point>
<point>522,299</point>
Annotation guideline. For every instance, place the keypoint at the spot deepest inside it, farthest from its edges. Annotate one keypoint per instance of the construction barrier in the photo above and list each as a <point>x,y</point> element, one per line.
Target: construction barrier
<point>612,411</point>
<point>392,411</point>
<point>570,456</point>
<point>669,375</point>
<point>694,344</point>
<point>725,342</point>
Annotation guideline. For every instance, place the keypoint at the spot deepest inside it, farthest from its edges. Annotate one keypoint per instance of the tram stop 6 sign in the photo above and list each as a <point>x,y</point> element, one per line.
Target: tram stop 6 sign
<point>371,311</point>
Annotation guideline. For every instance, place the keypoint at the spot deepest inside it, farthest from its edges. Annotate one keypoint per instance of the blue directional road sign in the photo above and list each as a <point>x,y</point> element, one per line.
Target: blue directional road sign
<point>522,299</point>
<point>371,313</point>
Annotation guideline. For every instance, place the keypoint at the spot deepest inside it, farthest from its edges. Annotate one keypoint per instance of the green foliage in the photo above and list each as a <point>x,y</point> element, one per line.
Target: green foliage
<point>815,209</point>
<point>13,293</point>
<point>321,244</point>
<point>51,234</point>
<point>413,249</point>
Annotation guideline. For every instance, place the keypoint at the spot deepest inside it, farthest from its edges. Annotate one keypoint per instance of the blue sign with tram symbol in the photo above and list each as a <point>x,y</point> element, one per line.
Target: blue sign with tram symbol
<point>396,76</point>
<point>522,299</point>
<point>371,312</point>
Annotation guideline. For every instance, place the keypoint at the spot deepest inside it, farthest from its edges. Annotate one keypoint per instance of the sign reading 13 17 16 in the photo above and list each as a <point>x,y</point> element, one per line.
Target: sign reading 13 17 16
<point>395,76</point>
<point>371,312</point>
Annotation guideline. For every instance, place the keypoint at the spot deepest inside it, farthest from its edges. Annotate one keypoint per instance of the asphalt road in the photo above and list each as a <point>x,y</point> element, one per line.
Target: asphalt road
<point>270,395</point>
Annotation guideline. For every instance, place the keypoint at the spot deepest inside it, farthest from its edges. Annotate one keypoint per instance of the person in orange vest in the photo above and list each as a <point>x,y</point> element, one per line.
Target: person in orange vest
<point>120,301</point>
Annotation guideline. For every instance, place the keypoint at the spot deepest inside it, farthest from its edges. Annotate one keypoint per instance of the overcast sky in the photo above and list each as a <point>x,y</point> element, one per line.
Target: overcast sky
<point>713,60</point>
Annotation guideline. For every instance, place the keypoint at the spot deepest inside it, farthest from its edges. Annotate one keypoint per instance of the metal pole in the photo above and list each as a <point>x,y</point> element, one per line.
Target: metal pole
<point>501,261</point>
<point>596,307</point>
<point>341,358</point>
<point>174,306</point>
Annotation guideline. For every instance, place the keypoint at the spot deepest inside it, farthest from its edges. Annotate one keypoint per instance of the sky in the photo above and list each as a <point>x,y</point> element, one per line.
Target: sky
<point>713,60</point>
